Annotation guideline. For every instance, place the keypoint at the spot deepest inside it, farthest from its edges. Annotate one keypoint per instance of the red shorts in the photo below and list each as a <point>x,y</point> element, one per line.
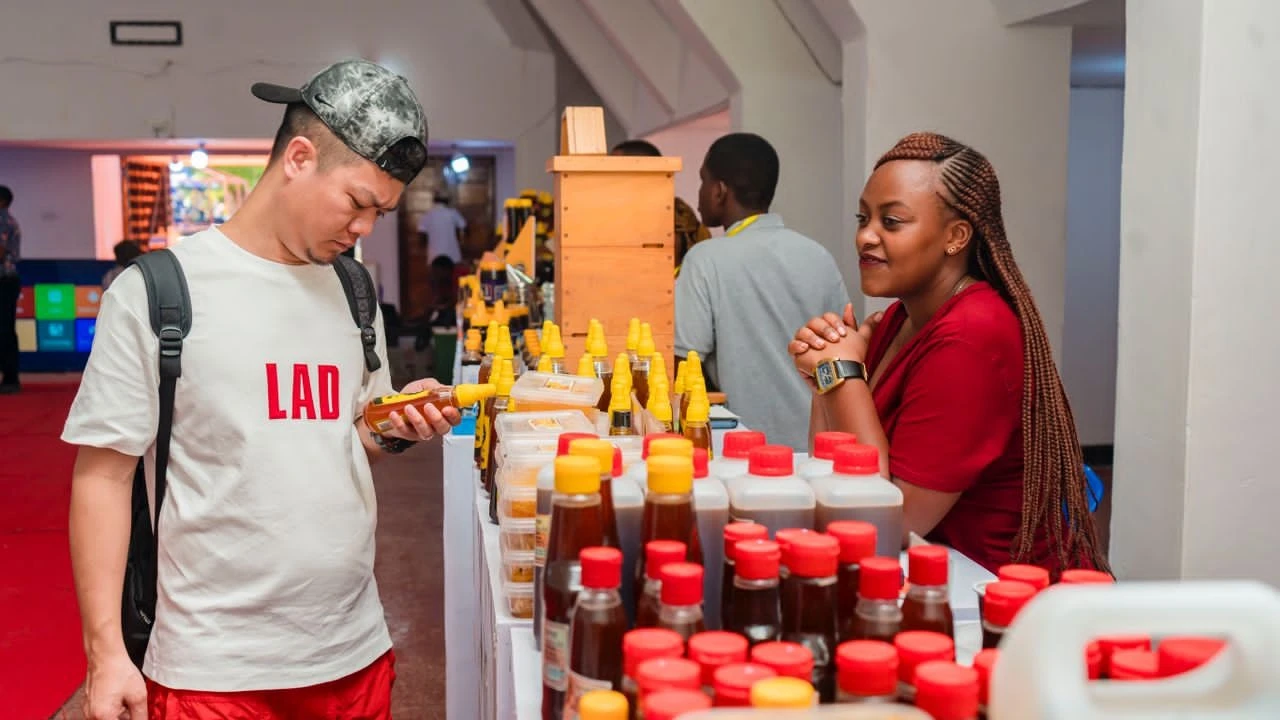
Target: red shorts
<point>362,695</point>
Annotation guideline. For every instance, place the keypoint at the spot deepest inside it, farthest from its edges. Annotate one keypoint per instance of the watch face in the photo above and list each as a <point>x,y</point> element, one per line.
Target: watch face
<point>825,374</point>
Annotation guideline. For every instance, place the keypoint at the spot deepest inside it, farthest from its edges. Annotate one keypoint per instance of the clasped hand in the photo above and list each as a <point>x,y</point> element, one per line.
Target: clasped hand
<point>831,336</point>
<point>416,424</point>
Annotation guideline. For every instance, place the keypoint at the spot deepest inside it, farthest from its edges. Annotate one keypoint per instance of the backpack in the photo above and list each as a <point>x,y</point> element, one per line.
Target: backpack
<point>170,314</point>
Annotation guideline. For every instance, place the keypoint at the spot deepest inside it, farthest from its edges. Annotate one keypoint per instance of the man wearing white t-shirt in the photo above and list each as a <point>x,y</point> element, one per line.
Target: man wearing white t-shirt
<point>442,226</point>
<point>267,605</point>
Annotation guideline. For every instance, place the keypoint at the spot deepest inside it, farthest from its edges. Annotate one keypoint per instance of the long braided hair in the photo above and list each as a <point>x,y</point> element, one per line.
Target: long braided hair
<point>1053,469</point>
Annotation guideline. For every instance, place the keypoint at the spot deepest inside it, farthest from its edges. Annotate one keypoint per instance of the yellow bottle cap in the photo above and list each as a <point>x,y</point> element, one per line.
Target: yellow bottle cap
<point>473,340</point>
<point>699,409</point>
<point>554,346</point>
<point>532,343</point>
<point>620,394</point>
<point>546,328</point>
<point>505,348</point>
<point>646,347</point>
<point>586,365</point>
<point>601,450</point>
<point>682,374</point>
<point>507,379</point>
<point>491,338</point>
<point>603,705</point>
<point>670,474</point>
<point>501,314</point>
<point>660,404</point>
<point>597,346</point>
<point>580,475</point>
<point>781,692</point>
<point>658,371</point>
<point>481,315</point>
<point>633,334</point>
<point>470,394</point>
<point>544,363</point>
<point>544,197</point>
<point>673,447</point>
<point>622,367</point>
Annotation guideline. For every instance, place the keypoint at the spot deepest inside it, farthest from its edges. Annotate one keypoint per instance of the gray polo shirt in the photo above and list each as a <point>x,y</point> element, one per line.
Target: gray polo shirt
<point>739,301</point>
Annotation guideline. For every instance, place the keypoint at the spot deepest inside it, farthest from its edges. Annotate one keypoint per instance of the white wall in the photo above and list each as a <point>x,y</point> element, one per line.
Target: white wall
<point>53,201</point>
<point>689,141</point>
<point>1093,260</point>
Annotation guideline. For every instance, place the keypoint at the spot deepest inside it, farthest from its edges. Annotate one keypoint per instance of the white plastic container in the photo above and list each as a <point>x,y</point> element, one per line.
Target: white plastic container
<point>770,493</point>
<point>854,490</point>
<point>821,463</point>
<point>732,460</point>
<point>711,513</point>
<point>1040,670</point>
<point>539,426</point>
<point>628,508</point>
<point>548,391</point>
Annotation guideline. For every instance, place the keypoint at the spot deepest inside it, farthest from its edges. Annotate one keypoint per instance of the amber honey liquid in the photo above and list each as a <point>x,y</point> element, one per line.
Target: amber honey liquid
<point>648,603</point>
<point>490,472</point>
<point>928,608</point>
<point>609,518</point>
<point>809,618</point>
<point>486,370</point>
<point>604,371</point>
<point>728,592</point>
<point>846,600</point>
<point>755,611</point>
<point>667,517</point>
<point>700,435</point>
<point>877,620</point>
<point>640,381</point>
<point>686,621</point>
<point>620,423</point>
<point>599,623</point>
<point>486,418</point>
<point>377,414</point>
<point>577,522</point>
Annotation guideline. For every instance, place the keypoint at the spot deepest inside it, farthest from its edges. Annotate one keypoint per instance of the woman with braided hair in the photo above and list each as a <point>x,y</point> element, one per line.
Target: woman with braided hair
<point>961,394</point>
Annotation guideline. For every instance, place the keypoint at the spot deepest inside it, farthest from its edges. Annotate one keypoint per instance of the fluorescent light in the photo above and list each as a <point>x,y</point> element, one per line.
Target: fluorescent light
<point>199,158</point>
<point>459,164</point>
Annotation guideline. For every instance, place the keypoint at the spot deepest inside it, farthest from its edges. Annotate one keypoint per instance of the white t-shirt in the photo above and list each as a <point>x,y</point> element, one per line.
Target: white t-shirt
<point>441,224</point>
<point>267,529</point>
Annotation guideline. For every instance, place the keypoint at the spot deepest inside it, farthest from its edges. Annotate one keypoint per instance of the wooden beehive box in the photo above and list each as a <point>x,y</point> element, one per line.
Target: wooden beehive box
<point>615,238</point>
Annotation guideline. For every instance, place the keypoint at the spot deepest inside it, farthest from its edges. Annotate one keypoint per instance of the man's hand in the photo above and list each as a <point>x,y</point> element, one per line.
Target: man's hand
<point>114,690</point>
<point>418,425</point>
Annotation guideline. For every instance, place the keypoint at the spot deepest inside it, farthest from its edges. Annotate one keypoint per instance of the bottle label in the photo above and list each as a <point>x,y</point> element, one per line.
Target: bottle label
<point>484,443</point>
<point>580,685</point>
<point>541,537</point>
<point>555,655</point>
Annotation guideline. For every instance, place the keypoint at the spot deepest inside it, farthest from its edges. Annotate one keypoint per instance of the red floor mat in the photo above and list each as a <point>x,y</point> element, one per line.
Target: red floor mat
<point>41,656</point>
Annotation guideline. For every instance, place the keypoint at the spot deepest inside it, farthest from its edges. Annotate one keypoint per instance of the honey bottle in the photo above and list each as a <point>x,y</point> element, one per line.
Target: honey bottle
<point>677,395</point>
<point>586,365</point>
<point>486,369</point>
<point>469,361</point>
<point>484,424</point>
<point>480,320</point>
<point>733,534</point>
<point>693,376</point>
<point>501,403</point>
<point>532,349</point>
<point>713,650</point>
<point>553,347</point>
<point>599,351</point>
<point>808,601</point>
<point>605,454</point>
<point>633,339</point>
<point>857,542</point>
<point>697,420</point>
<point>877,615</point>
<point>1001,603</point>
<point>915,648</point>
<point>377,414</point>
<point>681,608</point>
<point>668,504</point>
<point>641,364</point>
<point>620,421</point>
<point>657,555</point>
<point>866,672</point>
<point>595,636</point>
<point>927,605</point>
<point>947,691</point>
<point>577,523</point>
<point>544,364</point>
<point>640,646</point>
<point>755,612</point>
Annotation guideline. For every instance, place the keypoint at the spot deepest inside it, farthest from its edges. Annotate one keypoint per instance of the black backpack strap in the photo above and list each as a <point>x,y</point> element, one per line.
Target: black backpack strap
<point>170,304</point>
<point>363,302</point>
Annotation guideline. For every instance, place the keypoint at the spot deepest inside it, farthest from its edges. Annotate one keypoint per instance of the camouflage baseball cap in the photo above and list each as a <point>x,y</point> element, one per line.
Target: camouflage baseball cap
<point>369,108</point>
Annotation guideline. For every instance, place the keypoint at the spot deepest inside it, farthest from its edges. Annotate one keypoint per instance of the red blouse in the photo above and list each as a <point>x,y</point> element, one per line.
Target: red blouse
<point>950,402</point>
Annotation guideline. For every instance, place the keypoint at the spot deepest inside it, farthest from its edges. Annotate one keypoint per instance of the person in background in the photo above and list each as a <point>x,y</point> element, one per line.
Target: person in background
<point>10,289</point>
<point>126,252</point>
<point>955,383</point>
<point>267,603</point>
<point>441,229</point>
<point>689,231</point>
<point>740,296</point>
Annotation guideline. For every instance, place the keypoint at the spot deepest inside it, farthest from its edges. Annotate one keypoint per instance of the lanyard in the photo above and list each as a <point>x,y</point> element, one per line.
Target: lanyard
<point>742,225</point>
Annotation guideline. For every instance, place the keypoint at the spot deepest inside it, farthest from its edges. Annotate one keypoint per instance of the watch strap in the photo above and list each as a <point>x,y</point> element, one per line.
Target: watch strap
<point>850,369</point>
<point>392,445</point>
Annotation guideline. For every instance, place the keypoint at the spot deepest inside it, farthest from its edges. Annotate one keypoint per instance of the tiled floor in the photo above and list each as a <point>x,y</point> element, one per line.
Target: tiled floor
<point>410,572</point>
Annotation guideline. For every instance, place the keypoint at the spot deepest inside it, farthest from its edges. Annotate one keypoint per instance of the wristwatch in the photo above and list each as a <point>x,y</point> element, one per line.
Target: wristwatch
<point>392,445</point>
<point>832,372</point>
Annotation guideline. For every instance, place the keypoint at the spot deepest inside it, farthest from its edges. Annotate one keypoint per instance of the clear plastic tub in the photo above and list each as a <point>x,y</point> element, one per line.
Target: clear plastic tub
<point>517,567</point>
<point>521,471</point>
<point>519,502</point>
<point>539,425</point>
<point>546,391</point>
<point>516,535</point>
<point>519,597</point>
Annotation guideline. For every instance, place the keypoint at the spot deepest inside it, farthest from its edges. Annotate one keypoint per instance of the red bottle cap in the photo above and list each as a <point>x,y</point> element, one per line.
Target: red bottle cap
<point>671,704</point>
<point>825,443</point>
<point>983,662</point>
<point>617,461</point>
<point>947,691</point>
<point>1033,575</point>
<point>867,668</point>
<point>715,649</point>
<point>916,647</point>
<point>1082,577</point>
<point>644,444</point>
<point>927,565</point>
<point>739,531</point>
<point>699,463</point>
<point>601,567</point>
<point>785,535</point>
<point>649,643</point>
<point>813,555</point>
<point>668,673</point>
<point>857,539</point>
<point>757,559</point>
<point>562,443</point>
<point>1003,600</point>
<point>857,460</point>
<point>681,584</point>
<point>658,553</point>
<point>1093,660</point>
<point>788,659</point>
<point>1134,665</point>
<point>1110,644</point>
<point>879,578</point>
<point>771,461</point>
<point>1176,655</point>
<point>739,443</point>
<point>733,683</point>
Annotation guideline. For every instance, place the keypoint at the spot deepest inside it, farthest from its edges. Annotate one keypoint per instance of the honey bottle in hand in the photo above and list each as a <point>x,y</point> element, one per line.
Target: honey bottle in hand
<point>377,414</point>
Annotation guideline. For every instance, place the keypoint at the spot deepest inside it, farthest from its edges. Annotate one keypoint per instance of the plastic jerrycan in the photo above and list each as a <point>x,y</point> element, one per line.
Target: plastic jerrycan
<point>1039,674</point>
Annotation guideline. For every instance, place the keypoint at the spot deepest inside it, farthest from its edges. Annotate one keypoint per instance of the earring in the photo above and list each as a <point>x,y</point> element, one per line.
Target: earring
<point>951,251</point>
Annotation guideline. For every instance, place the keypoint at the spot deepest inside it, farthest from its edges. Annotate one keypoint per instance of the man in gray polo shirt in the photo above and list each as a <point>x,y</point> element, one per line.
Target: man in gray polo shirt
<point>741,296</point>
